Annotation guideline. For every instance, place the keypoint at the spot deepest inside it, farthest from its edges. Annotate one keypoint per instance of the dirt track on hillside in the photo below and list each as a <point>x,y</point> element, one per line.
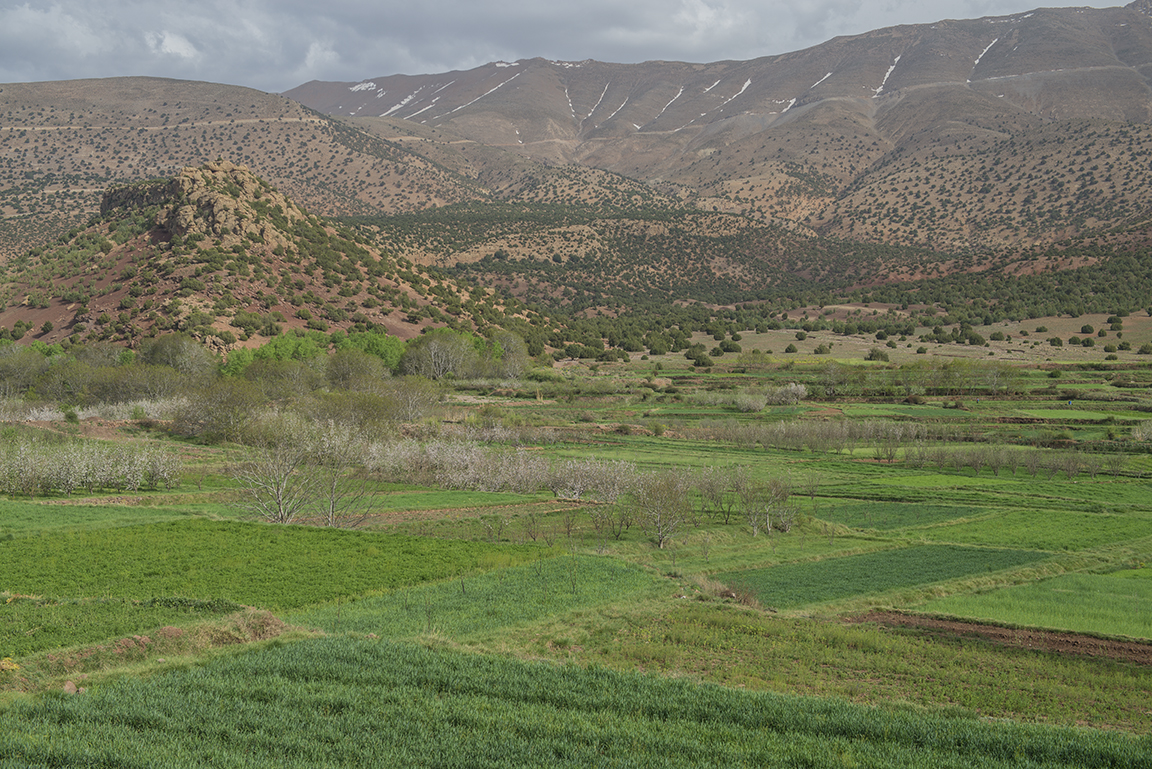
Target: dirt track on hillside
<point>1044,640</point>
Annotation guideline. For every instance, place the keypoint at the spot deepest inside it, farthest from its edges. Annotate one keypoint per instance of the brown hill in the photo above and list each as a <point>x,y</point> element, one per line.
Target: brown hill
<point>219,253</point>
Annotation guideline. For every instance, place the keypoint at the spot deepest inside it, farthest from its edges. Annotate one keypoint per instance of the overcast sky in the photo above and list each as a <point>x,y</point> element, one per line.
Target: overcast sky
<point>274,46</point>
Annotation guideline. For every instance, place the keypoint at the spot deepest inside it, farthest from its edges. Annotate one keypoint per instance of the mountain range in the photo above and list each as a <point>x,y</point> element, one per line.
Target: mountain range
<point>1018,144</point>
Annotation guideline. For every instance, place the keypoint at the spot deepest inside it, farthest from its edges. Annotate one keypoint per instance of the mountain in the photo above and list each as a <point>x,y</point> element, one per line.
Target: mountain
<point>965,133</point>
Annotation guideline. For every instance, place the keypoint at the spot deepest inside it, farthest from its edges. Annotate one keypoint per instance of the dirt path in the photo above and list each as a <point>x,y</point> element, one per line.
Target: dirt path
<point>1046,640</point>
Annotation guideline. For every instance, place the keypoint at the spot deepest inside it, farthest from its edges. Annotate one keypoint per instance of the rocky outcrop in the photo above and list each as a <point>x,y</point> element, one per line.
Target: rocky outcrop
<point>221,201</point>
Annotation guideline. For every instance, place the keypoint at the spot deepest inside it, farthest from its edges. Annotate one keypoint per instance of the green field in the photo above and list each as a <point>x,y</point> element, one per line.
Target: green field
<point>373,702</point>
<point>463,623</point>
<point>249,563</point>
<point>1109,604</point>
<point>472,606</point>
<point>795,585</point>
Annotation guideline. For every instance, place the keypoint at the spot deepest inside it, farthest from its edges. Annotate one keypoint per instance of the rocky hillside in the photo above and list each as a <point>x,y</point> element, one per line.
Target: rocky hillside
<point>220,253</point>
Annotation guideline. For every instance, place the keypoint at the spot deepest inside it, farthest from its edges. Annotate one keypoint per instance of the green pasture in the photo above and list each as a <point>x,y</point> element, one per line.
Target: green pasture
<point>31,625</point>
<point>1068,413</point>
<point>436,499</point>
<point>374,702</point>
<point>20,517</point>
<point>272,567</point>
<point>468,606</point>
<point>1106,604</point>
<point>887,516</point>
<point>1050,530</point>
<point>794,585</point>
<point>857,661</point>
<point>869,410</point>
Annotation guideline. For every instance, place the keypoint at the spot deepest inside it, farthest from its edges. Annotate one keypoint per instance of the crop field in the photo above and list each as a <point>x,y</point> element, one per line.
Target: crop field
<point>1119,603</point>
<point>245,562</point>
<point>509,596</point>
<point>375,701</point>
<point>795,585</point>
<point>29,625</point>
<point>886,516</point>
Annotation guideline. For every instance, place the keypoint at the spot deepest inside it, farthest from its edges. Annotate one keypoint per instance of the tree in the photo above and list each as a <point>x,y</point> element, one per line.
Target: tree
<point>277,484</point>
<point>352,369</point>
<point>414,397</point>
<point>182,353</point>
<point>660,503</point>
<point>220,410</point>
<point>439,353</point>
<point>344,497</point>
<point>766,504</point>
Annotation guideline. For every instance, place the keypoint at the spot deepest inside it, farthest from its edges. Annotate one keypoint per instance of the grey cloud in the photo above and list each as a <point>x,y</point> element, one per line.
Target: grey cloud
<point>275,46</point>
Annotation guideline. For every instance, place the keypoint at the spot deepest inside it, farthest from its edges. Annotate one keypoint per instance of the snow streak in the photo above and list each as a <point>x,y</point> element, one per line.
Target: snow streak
<point>744,88</point>
<point>976,63</point>
<point>481,96</point>
<point>669,104</point>
<point>886,76</point>
<point>597,104</point>
<point>403,102</point>
<point>821,80</point>
<point>617,110</point>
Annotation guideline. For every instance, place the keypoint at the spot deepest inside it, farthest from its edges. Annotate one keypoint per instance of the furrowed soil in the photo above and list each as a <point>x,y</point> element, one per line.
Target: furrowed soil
<point>1023,638</point>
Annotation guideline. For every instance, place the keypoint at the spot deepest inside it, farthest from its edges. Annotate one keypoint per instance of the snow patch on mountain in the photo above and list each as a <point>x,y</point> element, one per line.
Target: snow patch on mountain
<point>597,104</point>
<point>976,63</point>
<point>617,110</point>
<point>821,80</point>
<point>744,88</point>
<point>669,104</point>
<point>886,76</point>
<point>366,86</point>
<point>403,102</point>
<point>481,96</point>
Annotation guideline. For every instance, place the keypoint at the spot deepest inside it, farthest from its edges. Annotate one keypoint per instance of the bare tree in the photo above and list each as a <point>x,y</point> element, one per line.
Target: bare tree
<point>278,484</point>
<point>766,504</point>
<point>1070,463</point>
<point>661,504</point>
<point>1092,464</point>
<point>1033,461</point>
<point>609,484</point>
<point>344,496</point>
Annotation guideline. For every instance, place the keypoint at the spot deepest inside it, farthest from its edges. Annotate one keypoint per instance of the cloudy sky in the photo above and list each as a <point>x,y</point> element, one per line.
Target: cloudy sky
<point>274,46</point>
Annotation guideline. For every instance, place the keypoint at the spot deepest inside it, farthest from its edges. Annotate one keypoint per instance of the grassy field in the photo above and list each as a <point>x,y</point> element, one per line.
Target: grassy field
<point>371,701</point>
<point>1107,604</point>
<point>795,585</point>
<point>613,650</point>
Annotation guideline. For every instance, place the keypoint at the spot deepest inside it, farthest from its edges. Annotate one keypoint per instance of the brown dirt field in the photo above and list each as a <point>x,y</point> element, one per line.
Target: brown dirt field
<point>1022,638</point>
